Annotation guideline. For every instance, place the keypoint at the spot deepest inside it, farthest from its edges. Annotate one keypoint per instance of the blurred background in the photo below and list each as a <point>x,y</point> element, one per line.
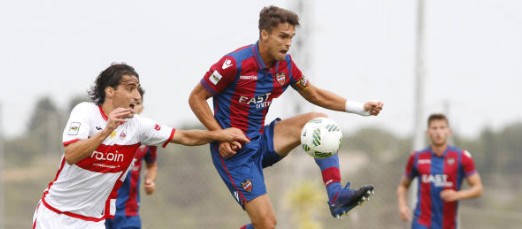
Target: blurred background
<point>459,57</point>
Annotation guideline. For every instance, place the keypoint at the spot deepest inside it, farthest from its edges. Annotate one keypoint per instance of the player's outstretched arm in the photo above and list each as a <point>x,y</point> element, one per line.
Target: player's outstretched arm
<point>79,150</point>
<point>332,101</point>
<point>200,137</point>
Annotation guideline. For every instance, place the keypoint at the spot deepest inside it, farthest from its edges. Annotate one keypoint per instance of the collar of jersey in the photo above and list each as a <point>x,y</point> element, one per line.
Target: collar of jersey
<point>443,154</point>
<point>102,113</point>
<point>257,56</point>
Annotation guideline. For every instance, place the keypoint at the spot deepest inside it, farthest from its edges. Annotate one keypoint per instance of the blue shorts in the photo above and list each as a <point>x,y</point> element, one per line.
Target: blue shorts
<point>243,173</point>
<point>123,222</point>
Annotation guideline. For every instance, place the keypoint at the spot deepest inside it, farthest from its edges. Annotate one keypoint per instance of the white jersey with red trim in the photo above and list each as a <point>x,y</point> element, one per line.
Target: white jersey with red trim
<point>87,189</point>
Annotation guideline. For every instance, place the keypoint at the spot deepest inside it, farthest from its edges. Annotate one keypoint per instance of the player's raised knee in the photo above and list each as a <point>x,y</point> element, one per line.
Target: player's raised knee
<point>314,114</point>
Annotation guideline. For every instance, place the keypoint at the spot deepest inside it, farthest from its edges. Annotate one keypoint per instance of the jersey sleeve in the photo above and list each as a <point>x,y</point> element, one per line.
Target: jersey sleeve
<point>150,156</point>
<point>77,127</point>
<point>220,75</point>
<point>297,80</point>
<point>153,133</point>
<point>468,164</point>
<point>411,171</point>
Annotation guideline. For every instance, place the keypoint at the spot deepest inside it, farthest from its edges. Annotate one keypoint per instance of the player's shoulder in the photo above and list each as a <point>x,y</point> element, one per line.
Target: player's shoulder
<point>421,152</point>
<point>241,53</point>
<point>85,107</point>
<point>466,153</point>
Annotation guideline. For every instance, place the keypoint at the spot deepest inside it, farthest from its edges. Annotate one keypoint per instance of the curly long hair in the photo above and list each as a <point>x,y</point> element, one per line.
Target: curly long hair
<point>109,77</point>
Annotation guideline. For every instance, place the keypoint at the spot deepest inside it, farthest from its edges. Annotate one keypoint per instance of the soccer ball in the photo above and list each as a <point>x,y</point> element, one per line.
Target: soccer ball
<point>321,137</point>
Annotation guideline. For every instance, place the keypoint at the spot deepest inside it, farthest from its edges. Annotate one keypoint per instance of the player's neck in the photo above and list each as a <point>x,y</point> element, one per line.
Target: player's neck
<point>268,60</point>
<point>439,149</point>
<point>107,108</point>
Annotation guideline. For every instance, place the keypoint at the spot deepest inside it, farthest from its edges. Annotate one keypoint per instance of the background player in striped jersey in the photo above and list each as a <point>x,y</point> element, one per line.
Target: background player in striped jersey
<point>128,202</point>
<point>243,84</point>
<point>100,140</point>
<point>440,169</point>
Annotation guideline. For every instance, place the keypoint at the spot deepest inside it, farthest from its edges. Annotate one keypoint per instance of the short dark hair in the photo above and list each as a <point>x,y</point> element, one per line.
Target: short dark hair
<point>437,116</point>
<point>109,77</point>
<point>271,16</point>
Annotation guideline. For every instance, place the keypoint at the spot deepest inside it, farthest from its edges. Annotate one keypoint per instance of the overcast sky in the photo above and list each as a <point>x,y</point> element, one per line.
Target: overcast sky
<point>361,49</point>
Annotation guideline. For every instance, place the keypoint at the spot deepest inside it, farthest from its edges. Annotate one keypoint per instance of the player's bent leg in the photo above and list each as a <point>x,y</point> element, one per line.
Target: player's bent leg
<point>261,212</point>
<point>287,132</point>
<point>287,136</point>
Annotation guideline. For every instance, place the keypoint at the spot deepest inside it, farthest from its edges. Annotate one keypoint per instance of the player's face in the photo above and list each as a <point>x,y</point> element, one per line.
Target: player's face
<point>138,107</point>
<point>126,94</point>
<point>439,132</point>
<point>279,40</point>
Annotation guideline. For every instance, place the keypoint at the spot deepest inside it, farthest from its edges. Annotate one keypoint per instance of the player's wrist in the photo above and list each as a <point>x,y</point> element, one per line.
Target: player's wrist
<point>355,108</point>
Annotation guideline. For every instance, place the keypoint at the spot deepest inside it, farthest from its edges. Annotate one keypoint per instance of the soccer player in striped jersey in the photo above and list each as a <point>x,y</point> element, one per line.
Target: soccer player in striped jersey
<point>127,214</point>
<point>440,169</point>
<point>100,140</point>
<point>243,84</point>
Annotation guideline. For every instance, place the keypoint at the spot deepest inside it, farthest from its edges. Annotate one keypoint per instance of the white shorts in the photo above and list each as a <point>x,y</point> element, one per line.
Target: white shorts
<point>45,218</point>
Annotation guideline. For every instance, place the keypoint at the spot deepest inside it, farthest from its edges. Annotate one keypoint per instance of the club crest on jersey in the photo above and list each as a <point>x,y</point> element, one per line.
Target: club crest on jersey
<point>247,185</point>
<point>281,78</point>
<point>451,161</point>
<point>74,128</point>
<point>123,135</point>
<point>157,127</point>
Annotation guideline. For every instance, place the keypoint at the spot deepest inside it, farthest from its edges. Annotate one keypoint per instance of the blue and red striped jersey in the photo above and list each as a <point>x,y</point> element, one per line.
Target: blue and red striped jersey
<point>128,201</point>
<point>243,88</point>
<point>437,173</point>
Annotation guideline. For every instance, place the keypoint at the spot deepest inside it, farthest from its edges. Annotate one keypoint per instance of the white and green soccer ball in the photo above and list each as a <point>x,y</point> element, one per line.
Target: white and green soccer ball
<point>321,137</point>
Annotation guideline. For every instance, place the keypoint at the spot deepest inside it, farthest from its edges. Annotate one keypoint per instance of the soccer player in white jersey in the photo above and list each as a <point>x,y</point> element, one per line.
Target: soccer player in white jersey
<point>100,139</point>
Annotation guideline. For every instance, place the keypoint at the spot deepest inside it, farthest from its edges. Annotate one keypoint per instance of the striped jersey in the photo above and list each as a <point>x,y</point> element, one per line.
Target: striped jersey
<point>87,190</point>
<point>128,201</point>
<point>435,174</point>
<point>243,88</point>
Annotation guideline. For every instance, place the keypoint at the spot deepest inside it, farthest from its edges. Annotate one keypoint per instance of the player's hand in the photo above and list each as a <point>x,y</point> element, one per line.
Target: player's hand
<point>405,213</point>
<point>449,195</point>
<point>117,117</point>
<point>227,150</point>
<point>373,107</point>
<point>233,135</point>
<point>150,186</point>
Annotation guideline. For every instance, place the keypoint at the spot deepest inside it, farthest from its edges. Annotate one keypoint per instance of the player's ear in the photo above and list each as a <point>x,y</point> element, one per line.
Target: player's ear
<point>264,34</point>
<point>109,92</point>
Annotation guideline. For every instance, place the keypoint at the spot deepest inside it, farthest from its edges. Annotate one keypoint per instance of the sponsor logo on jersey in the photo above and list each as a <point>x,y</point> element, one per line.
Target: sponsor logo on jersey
<point>281,78</point>
<point>438,180</point>
<point>98,128</point>
<point>247,185</point>
<point>236,196</point>
<point>113,134</point>
<point>248,77</point>
<point>108,156</point>
<point>74,128</point>
<point>226,64</point>
<point>259,101</point>
<point>215,77</point>
<point>424,161</point>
